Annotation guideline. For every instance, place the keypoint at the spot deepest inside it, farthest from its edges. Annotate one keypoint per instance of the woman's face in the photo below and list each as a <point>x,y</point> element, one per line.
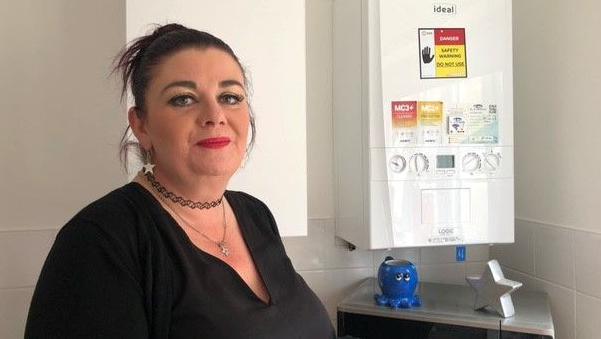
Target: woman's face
<point>197,114</point>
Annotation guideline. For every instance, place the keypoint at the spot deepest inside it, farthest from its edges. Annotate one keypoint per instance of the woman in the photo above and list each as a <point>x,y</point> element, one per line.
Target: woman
<point>174,254</point>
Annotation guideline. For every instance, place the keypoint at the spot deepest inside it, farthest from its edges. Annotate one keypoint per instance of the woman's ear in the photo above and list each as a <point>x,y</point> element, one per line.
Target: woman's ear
<point>138,127</point>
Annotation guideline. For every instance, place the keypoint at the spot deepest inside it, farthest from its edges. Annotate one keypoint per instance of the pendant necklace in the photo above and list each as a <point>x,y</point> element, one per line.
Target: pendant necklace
<point>223,248</point>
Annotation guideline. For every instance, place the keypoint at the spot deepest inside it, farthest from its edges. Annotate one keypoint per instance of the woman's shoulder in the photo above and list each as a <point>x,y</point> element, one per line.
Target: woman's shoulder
<point>248,203</point>
<point>117,215</point>
<point>245,198</point>
<point>252,207</point>
<point>119,203</point>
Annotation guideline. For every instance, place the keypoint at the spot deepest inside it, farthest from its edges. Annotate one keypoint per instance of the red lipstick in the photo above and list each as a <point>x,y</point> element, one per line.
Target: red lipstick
<point>217,142</point>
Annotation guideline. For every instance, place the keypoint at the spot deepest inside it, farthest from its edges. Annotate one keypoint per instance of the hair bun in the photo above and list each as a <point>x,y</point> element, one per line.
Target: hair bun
<point>168,28</point>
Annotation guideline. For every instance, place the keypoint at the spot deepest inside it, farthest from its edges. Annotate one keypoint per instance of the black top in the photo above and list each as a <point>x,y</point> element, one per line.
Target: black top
<point>123,268</point>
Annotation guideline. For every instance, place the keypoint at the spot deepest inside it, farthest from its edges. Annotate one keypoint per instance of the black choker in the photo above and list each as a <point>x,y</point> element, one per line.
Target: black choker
<point>179,200</point>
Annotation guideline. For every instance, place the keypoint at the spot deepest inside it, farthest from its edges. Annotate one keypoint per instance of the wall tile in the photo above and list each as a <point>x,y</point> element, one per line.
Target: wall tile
<point>318,250</point>
<point>561,301</point>
<point>447,254</point>
<point>410,254</point>
<point>22,254</point>
<point>588,316</point>
<point>13,311</point>
<point>529,283</point>
<point>475,268</point>
<point>478,252</point>
<point>332,286</point>
<point>554,255</point>
<point>520,254</point>
<point>308,252</point>
<point>588,265</point>
<point>437,255</point>
<point>443,273</point>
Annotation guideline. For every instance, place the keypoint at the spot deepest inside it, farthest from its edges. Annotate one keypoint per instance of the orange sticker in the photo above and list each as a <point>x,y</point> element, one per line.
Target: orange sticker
<point>404,114</point>
<point>430,113</point>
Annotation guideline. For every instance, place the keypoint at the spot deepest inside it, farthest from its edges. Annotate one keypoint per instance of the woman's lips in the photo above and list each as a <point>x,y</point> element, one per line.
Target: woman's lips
<point>218,142</point>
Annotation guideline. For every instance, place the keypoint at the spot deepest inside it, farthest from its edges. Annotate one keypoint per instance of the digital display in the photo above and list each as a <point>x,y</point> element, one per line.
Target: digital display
<point>445,161</point>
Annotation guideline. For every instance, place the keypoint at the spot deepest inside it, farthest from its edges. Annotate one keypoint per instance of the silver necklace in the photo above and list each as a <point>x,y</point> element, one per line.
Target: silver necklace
<point>223,248</point>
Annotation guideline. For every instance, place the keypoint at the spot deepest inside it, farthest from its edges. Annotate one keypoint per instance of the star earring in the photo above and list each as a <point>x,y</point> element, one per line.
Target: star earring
<point>148,165</point>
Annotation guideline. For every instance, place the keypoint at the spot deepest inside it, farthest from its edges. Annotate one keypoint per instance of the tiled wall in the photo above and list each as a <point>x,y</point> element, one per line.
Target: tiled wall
<point>565,264</point>
<point>22,254</point>
<point>333,271</point>
<point>558,209</point>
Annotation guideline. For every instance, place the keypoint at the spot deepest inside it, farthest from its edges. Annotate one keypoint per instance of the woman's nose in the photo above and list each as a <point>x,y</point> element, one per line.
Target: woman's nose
<point>211,114</point>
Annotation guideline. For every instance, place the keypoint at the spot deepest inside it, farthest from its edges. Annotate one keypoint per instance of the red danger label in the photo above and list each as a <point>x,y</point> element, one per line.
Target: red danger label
<point>449,37</point>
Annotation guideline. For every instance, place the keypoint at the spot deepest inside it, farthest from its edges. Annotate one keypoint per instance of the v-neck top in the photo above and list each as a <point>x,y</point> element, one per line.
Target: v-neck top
<point>123,268</point>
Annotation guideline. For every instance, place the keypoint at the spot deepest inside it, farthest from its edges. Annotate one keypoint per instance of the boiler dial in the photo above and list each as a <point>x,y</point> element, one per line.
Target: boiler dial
<point>471,162</point>
<point>491,161</point>
<point>419,163</point>
<point>398,163</point>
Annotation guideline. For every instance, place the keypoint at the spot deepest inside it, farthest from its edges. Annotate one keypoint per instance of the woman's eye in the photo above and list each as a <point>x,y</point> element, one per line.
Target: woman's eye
<point>182,100</point>
<point>231,99</point>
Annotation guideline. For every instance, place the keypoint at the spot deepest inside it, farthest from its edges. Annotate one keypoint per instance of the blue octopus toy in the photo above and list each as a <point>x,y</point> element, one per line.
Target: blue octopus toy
<point>398,280</point>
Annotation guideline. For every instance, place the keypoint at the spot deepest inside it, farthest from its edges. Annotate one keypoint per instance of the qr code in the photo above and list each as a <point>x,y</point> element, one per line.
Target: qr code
<point>492,109</point>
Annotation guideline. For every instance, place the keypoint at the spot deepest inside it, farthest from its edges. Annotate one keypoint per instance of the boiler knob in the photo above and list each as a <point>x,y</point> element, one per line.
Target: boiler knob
<point>398,163</point>
<point>419,163</point>
<point>491,162</point>
<point>471,162</point>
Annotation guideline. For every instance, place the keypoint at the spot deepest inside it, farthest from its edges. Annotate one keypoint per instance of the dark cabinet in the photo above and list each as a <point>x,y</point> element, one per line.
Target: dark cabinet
<point>446,312</point>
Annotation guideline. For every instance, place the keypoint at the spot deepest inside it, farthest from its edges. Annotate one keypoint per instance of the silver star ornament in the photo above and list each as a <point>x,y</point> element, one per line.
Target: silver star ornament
<point>492,289</point>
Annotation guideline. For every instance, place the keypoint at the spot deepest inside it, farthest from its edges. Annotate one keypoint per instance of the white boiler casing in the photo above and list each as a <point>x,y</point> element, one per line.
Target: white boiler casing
<point>423,122</point>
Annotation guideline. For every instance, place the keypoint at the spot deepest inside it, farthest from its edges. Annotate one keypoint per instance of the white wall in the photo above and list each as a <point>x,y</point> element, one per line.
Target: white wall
<point>61,120</point>
<point>59,132</point>
<point>557,160</point>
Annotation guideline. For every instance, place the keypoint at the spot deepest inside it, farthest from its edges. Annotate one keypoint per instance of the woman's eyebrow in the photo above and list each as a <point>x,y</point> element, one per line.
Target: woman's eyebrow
<point>226,83</point>
<point>180,83</point>
<point>192,84</point>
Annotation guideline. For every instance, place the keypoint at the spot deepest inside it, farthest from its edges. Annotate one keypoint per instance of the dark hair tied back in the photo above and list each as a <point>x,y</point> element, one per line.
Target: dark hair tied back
<point>129,58</point>
<point>137,60</point>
